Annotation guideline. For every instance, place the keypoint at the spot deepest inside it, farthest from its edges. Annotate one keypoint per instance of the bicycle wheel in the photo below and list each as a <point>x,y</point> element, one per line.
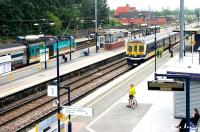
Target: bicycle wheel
<point>133,104</point>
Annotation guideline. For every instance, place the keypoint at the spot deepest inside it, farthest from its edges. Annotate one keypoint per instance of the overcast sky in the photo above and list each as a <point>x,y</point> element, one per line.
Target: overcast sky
<point>154,4</point>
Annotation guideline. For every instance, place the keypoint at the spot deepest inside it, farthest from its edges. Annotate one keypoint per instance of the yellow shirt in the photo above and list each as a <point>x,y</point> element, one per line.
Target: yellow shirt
<point>132,91</point>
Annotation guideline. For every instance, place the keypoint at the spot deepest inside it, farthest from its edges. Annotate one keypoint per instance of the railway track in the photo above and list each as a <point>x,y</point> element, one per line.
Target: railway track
<point>86,44</point>
<point>24,114</point>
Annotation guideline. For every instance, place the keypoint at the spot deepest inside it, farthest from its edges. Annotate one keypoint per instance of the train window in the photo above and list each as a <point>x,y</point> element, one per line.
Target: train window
<point>141,48</point>
<point>32,51</point>
<point>37,50</point>
<point>129,48</point>
<point>16,55</point>
<point>135,48</point>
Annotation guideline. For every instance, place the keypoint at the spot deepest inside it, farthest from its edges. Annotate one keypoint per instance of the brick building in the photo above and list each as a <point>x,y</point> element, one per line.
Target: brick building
<point>127,15</point>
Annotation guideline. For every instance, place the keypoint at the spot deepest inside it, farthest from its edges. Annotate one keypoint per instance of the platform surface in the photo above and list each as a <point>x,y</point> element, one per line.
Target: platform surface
<point>154,112</point>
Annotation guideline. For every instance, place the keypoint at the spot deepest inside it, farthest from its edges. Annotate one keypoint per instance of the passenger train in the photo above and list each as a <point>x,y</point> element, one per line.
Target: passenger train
<point>142,49</point>
<point>28,52</point>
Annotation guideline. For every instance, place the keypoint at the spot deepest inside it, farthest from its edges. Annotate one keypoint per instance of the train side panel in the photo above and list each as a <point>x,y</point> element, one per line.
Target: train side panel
<point>18,54</point>
<point>64,47</point>
<point>135,54</point>
<point>34,53</point>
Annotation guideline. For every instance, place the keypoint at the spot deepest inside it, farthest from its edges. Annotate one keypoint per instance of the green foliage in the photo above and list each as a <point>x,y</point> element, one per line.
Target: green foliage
<point>18,16</point>
<point>113,22</point>
<point>56,20</point>
<point>111,13</point>
<point>167,12</point>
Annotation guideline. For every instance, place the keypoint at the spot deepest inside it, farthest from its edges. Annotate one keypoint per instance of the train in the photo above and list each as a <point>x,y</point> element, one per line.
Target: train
<point>141,49</point>
<point>25,52</point>
<point>148,30</point>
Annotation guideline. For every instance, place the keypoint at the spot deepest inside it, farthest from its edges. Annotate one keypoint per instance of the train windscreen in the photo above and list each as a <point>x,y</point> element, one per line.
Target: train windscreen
<point>135,48</point>
<point>141,48</point>
<point>129,48</point>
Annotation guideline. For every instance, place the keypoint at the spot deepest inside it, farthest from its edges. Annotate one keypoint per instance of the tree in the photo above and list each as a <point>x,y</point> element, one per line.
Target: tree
<point>56,20</point>
<point>18,16</point>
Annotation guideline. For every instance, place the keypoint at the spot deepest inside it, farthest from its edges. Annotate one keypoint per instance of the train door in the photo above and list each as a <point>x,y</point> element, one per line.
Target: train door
<point>141,49</point>
<point>135,48</point>
<point>129,49</point>
<point>51,51</point>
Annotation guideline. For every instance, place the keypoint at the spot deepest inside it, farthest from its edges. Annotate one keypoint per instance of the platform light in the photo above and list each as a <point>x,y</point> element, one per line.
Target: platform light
<point>31,37</point>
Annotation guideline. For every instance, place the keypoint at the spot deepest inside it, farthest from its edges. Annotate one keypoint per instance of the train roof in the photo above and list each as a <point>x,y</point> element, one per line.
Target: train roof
<point>151,38</point>
<point>11,46</point>
<point>41,40</point>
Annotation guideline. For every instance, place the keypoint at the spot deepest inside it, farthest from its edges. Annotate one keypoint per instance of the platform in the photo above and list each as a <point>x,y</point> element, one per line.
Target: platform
<point>154,112</point>
<point>45,75</point>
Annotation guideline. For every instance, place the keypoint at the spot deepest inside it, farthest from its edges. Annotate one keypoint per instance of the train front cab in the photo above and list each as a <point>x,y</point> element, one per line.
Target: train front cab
<point>135,53</point>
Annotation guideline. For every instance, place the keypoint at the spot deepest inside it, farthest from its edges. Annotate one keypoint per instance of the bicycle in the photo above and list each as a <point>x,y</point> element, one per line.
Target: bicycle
<point>133,103</point>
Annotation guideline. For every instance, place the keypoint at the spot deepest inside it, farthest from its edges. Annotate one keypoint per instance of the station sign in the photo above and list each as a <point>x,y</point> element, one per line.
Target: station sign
<point>42,55</point>
<point>165,85</point>
<point>5,64</point>
<point>4,59</point>
<point>52,90</point>
<point>75,110</point>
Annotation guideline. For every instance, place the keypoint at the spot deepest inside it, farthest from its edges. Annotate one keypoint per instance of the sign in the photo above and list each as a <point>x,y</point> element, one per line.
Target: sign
<point>5,64</point>
<point>42,55</point>
<point>75,110</point>
<point>52,90</point>
<point>59,116</point>
<point>165,85</point>
<point>4,59</point>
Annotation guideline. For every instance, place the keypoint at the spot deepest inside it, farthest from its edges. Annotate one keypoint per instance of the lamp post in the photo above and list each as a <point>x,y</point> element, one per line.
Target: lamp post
<point>69,116</point>
<point>58,76</point>
<point>155,53</point>
<point>182,20</point>
<point>88,41</point>
<point>70,47</point>
<point>95,2</point>
<point>68,104</point>
<point>58,79</point>
<point>44,28</point>
<point>184,39</point>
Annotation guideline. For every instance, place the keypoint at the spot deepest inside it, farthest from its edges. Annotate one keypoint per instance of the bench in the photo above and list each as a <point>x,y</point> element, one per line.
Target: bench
<point>192,129</point>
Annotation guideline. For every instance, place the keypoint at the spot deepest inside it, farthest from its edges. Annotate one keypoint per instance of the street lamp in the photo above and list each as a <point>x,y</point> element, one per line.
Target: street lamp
<point>69,103</point>
<point>95,2</point>
<point>58,76</point>
<point>155,53</point>
<point>34,37</point>
<point>44,28</point>
<point>88,41</point>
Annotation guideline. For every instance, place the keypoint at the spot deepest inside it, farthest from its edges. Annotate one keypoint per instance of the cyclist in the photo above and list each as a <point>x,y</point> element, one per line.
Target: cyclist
<point>131,93</point>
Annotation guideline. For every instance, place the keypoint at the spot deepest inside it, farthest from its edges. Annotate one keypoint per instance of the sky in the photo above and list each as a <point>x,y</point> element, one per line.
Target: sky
<point>154,4</point>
